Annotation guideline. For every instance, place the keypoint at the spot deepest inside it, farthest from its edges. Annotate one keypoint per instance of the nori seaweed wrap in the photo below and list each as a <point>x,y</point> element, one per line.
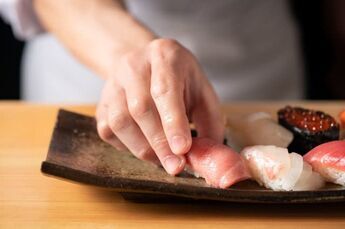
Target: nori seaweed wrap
<point>310,128</point>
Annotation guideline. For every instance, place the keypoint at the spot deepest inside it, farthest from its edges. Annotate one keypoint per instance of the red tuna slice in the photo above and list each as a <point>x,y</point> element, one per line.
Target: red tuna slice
<point>217,163</point>
<point>330,154</point>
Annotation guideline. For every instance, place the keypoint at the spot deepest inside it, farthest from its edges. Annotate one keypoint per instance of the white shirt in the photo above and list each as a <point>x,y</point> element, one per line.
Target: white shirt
<point>21,16</point>
<point>248,49</point>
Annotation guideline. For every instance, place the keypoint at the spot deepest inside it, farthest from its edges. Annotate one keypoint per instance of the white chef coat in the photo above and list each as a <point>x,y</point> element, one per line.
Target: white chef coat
<point>249,49</point>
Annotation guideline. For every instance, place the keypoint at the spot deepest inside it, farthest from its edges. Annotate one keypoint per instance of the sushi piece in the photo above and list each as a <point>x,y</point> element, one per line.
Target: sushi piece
<point>329,160</point>
<point>276,169</point>
<point>310,128</point>
<point>309,180</point>
<point>217,163</point>
<point>256,129</point>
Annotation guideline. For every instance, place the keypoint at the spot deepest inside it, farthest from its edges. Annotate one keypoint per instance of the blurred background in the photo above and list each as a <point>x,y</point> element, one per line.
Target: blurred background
<point>10,57</point>
<point>322,30</point>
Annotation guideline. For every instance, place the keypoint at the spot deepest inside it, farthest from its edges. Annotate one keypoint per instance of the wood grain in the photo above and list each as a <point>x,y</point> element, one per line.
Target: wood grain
<point>30,200</point>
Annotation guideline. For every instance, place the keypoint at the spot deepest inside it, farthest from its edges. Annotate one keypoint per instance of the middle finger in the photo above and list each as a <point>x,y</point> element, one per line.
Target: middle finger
<point>145,114</point>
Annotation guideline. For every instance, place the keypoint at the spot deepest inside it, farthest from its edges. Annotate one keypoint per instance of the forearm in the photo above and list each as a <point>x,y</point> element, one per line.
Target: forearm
<point>97,32</point>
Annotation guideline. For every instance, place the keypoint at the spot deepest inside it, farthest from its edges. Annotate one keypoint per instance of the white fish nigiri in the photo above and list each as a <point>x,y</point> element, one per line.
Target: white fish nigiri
<point>309,180</point>
<point>274,168</point>
<point>329,160</point>
<point>256,129</point>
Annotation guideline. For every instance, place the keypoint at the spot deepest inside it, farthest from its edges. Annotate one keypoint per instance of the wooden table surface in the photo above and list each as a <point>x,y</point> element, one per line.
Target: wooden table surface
<point>29,199</point>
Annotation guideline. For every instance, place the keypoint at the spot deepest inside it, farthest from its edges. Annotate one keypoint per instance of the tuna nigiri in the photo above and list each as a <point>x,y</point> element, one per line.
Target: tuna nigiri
<point>256,129</point>
<point>217,163</point>
<point>274,168</point>
<point>329,160</point>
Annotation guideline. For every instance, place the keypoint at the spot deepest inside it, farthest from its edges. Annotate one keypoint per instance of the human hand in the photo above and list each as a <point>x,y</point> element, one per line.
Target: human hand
<point>148,99</point>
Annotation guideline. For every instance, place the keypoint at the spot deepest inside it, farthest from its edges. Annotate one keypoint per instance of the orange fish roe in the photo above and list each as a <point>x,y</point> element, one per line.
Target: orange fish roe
<point>304,119</point>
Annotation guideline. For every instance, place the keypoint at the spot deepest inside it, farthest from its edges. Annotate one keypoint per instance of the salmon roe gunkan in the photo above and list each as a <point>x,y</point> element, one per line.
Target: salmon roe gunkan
<point>304,119</point>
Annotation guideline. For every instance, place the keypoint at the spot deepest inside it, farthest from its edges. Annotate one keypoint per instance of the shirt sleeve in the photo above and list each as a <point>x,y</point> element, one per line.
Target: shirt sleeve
<point>22,17</point>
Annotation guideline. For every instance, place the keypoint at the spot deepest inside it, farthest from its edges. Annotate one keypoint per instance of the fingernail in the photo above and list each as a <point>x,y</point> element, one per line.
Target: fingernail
<point>172,164</point>
<point>178,144</point>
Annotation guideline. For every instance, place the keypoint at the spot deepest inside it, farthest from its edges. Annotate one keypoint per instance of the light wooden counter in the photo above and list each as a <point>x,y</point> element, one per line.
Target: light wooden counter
<point>29,199</point>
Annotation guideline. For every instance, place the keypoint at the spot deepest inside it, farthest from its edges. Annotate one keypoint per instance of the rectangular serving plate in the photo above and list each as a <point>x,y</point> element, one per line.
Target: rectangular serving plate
<point>76,153</point>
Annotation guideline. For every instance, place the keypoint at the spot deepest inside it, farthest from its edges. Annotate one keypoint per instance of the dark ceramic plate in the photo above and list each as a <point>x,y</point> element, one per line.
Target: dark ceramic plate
<point>76,153</point>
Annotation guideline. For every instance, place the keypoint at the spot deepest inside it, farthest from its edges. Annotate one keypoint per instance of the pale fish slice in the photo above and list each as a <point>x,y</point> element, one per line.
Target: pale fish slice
<point>268,165</point>
<point>256,129</point>
<point>288,181</point>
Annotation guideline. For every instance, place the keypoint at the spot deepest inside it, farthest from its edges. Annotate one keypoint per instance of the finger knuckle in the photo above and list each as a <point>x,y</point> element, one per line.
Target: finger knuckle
<point>119,121</point>
<point>164,48</point>
<point>139,107</point>
<point>161,44</point>
<point>160,90</point>
<point>159,142</point>
<point>145,154</point>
